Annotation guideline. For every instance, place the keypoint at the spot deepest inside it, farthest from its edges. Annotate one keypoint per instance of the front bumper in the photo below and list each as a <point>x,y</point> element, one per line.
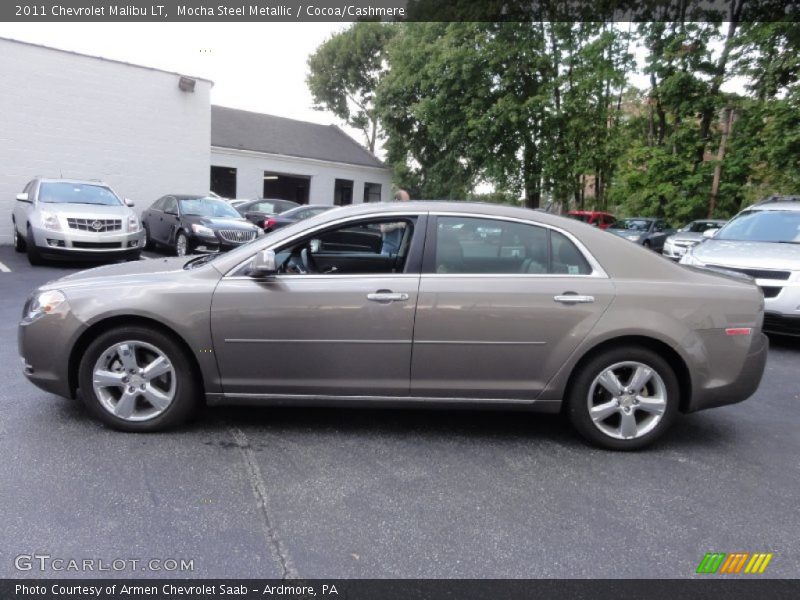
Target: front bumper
<point>70,243</point>
<point>781,324</point>
<point>43,345</point>
<point>676,251</point>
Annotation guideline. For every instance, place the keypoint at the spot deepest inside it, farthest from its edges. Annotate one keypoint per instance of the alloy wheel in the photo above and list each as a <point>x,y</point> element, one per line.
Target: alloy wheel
<point>134,381</point>
<point>181,245</point>
<point>627,400</point>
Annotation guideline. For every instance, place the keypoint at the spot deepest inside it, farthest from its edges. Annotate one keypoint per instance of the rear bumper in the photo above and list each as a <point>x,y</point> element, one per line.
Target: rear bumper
<point>741,387</point>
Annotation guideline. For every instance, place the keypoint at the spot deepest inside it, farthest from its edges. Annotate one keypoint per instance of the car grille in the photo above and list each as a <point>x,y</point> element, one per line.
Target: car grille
<point>97,225</point>
<point>96,245</point>
<point>684,243</point>
<point>236,236</point>
<point>770,291</point>
<point>758,273</point>
<point>774,323</point>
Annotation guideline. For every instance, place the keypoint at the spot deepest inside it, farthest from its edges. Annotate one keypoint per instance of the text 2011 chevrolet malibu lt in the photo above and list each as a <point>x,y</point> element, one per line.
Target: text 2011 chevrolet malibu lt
<point>413,303</point>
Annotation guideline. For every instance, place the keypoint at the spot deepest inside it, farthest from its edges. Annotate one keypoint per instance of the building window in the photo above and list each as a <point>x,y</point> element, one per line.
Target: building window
<point>282,186</point>
<point>343,192</point>
<point>223,181</point>
<point>372,192</point>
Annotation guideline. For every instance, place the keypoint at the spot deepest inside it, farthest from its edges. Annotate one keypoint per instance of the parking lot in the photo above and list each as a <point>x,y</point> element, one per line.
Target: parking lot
<point>367,493</point>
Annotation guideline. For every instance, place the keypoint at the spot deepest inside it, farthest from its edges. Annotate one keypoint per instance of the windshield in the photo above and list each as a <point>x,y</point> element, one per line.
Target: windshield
<point>701,226</point>
<point>763,226</point>
<point>77,193</point>
<point>208,207</point>
<point>634,224</point>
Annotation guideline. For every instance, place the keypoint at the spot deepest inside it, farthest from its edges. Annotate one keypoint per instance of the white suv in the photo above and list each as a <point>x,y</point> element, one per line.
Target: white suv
<point>762,241</point>
<point>67,218</point>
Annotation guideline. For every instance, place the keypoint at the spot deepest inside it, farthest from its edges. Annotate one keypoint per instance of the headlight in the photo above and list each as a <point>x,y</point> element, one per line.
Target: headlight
<point>202,230</point>
<point>633,236</point>
<point>689,259</point>
<point>259,232</point>
<point>133,223</point>
<point>668,242</point>
<point>44,303</point>
<point>50,221</point>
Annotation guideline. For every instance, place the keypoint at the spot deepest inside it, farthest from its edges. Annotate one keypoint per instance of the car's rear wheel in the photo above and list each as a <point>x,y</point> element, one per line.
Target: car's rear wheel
<point>19,242</point>
<point>182,246</point>
<point>138,379</point>
<point>624,398</point>
<point>34,257</point>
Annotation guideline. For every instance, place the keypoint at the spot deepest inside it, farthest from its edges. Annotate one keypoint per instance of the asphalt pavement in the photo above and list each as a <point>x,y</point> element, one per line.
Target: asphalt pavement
<point>346,493</point>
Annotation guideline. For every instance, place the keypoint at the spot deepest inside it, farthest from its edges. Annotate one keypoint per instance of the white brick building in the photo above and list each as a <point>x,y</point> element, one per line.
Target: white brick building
<point>137,129</point>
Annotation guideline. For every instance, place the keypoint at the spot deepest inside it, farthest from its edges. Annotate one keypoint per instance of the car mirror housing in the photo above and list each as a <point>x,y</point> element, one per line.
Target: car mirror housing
<point>710,233</point>
<point>129,202</point>
<point>264,264</point>
<point>23,198</point>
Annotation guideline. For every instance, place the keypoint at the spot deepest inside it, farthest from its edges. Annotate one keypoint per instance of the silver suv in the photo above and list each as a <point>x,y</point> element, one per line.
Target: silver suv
<point>66,218</point>
<point>762,241</point>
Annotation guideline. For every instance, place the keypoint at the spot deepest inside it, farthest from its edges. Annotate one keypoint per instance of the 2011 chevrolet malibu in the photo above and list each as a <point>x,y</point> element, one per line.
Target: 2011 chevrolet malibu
<point>405,304</point>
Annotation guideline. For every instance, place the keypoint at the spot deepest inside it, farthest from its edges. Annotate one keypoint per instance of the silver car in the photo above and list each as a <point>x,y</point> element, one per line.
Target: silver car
<point>762,241</point>
<point>405,304</point>
<point>675,246</point>
<point>67,218</point>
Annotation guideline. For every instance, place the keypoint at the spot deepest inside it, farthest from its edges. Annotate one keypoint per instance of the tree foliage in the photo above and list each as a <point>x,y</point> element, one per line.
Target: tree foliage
<point>546,111</point>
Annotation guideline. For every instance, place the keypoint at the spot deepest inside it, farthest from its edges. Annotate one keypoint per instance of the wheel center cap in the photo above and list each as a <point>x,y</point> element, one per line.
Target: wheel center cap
<point>137,380</point>
<point>626,400</point>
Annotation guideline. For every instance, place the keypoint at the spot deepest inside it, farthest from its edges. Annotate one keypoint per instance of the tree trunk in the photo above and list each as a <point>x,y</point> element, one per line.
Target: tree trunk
<point>532,175</point>
<point>726,127</point>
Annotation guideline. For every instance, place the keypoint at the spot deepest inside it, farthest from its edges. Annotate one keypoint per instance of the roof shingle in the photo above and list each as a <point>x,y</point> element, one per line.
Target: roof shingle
<point>244,130</point>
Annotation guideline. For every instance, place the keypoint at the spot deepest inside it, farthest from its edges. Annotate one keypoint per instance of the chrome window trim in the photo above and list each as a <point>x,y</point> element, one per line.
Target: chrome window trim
<point>597,269</point>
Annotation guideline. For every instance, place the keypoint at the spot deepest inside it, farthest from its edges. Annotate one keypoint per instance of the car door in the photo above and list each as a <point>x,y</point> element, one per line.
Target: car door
<point>332,332</point>
<point>660,232</point>
<point>168,220</point>
<point>498,315</point>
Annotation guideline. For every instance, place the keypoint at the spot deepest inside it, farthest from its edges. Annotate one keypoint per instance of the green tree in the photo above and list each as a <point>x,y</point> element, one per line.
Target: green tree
<point>344,72</point>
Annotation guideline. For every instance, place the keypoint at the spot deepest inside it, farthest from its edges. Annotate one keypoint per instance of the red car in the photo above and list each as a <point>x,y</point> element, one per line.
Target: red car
<point>603,220</point>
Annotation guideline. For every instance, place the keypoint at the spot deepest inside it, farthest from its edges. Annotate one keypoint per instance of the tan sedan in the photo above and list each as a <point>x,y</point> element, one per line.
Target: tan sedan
<point>405,304</point>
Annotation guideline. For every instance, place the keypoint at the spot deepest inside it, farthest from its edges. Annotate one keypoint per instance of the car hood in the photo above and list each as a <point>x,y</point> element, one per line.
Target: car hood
<point>686,236</point>
<point>754,255</point>
<point>141,271</point>
<point>221,222</point>
<point>85,210</point>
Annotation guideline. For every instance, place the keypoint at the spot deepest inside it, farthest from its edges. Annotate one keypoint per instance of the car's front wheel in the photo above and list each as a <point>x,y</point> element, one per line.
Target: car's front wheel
<point>182,245</point>
<point>623,398</point>
<point>19,242</point>
<point>138,379</point>
<point>34,257</point>
<point>148,241</point>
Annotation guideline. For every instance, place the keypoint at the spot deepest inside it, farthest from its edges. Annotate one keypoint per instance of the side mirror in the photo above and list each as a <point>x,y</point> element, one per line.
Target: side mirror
<point>710,233</point>
<point>23,198</point>
<point>264,264</point>
<point>129,202</point>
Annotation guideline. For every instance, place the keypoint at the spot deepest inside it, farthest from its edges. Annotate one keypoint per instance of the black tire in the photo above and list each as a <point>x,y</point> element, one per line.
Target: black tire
<point>577,401</point>
<point>136,255</point>
<point>178,237</point>
<point>187,389</point>
<point>19,242</point>
<point>149,244</point>
<point>647,244</point>
<point>34,257</point>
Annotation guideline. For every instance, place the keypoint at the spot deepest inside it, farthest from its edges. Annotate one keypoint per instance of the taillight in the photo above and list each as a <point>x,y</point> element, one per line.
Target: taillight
<point>269,223</point>
<point>738,331</point>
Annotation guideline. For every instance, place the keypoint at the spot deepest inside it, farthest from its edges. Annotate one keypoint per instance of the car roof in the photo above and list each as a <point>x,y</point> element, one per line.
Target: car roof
<point>793,205</point>
<point>65,180</point>
<point>193,197</point>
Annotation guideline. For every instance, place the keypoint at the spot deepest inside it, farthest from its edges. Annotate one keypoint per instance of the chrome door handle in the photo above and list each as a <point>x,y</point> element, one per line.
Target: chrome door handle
<point>386,296</point>
<point>573,299</point>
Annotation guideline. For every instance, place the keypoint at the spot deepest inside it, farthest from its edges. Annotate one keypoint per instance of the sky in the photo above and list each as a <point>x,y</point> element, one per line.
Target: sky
<point>254,66</point>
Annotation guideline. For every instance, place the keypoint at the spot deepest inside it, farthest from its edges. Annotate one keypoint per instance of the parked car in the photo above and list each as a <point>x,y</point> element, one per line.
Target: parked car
<point>186,223</point>
<point>258,211</point>
<point>293,215</point>
<point>648,232</point>
<point>762,241</point>
<point>74,219</point>
<point>600,219</point>
<point>236,202</point>
<point>549,314</point>
<point>675,246</point>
